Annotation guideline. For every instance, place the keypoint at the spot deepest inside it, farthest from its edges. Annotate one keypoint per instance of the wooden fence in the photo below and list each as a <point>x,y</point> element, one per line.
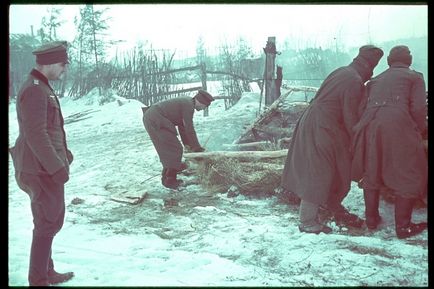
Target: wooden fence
<point>201,68</point>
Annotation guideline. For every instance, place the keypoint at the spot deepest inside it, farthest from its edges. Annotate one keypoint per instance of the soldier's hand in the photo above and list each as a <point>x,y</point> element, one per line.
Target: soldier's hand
<point>61,176</point>
<point>187,149</point>
<point>70,156</point>
<point>198,149</point>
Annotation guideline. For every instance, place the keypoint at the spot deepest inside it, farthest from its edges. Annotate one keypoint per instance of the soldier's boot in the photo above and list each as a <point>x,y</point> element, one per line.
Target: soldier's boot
<point>39,255</point>
<point>343,217</point>
<point>314,227</point>
<point>56,277</point>
<point>169,180</point>
<point>372,202</point>
<point>404,228</point>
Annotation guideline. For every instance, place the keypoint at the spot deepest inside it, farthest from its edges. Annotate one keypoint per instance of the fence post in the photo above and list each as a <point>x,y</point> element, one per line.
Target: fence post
<point>204,87</point>
<point>270,56</point>
<point>278,81</point>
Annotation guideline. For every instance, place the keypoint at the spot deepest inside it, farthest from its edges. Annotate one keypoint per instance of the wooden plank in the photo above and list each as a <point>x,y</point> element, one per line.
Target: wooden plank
<point>176,91</point>
<point>132,198</point>
<point>230,74</point>
<point>158,73</point>
<point>248,144</point>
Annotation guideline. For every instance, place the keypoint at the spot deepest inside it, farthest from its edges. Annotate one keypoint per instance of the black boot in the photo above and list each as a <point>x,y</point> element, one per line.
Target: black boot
<point>343,217</point>
<point>372,201</point>
<point>169,179</point>
<point>403,226</point>
<point>39,255</point>
<point>55,277</point>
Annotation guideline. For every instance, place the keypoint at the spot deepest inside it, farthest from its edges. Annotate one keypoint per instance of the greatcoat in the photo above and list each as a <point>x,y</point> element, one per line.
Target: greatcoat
<point>318,164</point>
<point>388,147</point>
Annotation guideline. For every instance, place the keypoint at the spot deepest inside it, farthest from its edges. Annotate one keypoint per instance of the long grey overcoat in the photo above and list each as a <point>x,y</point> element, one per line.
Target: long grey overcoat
<point>318,165</point>
<point>388,148</point>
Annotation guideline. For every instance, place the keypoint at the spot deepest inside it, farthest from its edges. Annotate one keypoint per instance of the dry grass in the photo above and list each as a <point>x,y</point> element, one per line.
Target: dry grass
<point>249,177</point>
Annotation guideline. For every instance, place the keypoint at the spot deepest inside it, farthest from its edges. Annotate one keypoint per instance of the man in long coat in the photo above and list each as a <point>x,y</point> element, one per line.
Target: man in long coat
<point>162,119</point>
<point>388,142</point>
<point>41,159</point>
<point>318,165</point>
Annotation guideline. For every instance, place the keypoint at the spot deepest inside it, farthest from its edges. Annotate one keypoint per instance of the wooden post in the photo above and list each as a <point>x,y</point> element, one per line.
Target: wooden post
<point>270,56</point>
<point>204,87</point>
<point>278,81</point>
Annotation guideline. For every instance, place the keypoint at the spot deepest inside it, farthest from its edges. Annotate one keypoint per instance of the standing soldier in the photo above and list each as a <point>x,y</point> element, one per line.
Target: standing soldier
<point>318,165</point>
<point>161,120</point>
<point>41,159</point>
<point>388,144</point>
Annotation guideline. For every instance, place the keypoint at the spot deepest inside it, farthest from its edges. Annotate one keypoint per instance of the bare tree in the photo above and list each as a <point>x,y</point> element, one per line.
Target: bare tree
<point>90,48</point>
<point>200,51</point>
<point>231,61</point>
<point>49,25</point>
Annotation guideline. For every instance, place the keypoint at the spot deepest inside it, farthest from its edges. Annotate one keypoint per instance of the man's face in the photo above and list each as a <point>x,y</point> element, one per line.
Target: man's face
<point>56,70</point>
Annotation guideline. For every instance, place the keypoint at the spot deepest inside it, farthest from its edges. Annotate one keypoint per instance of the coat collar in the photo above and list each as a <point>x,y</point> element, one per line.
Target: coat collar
<point>399,64</point>
<point>38,75</point>
<point>362,67</point>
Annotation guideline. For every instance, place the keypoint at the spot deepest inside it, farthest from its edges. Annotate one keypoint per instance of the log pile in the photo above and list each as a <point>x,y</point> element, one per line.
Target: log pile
<point>276,124</point>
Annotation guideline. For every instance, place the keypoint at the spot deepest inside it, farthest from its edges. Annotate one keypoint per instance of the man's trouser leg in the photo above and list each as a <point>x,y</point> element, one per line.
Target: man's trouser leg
<point>39,255</point>
<point>309,219</point>
<point>48,210</point>
<point>308,213</point>
<point>372,202</point>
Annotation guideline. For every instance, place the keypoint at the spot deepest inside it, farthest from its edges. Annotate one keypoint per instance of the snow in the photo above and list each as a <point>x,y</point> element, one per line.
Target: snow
<point>210,239</point>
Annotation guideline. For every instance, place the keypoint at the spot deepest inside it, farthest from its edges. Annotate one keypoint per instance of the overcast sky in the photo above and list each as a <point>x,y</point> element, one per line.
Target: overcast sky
<point>179,26</point>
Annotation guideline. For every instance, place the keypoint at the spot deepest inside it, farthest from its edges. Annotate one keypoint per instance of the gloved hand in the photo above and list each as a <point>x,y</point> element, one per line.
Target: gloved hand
<point>187,149</point>
<point>198,149</point>
<point>61,176</point>
<point>70,156</point>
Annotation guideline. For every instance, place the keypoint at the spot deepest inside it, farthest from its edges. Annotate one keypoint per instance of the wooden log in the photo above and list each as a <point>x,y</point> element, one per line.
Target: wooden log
<point>242,156</point>
<point>277,122</point>
<point>255,144</point>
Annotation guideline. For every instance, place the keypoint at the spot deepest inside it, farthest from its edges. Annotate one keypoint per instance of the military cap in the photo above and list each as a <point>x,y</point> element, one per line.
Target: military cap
<point>371,54</point>
<point>400,53</point>
<point>52,52</point>
<point>204,97</point>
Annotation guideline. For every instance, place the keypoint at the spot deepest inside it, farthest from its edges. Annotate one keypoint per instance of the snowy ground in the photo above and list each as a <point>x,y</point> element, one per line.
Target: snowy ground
<point>209,239</point>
